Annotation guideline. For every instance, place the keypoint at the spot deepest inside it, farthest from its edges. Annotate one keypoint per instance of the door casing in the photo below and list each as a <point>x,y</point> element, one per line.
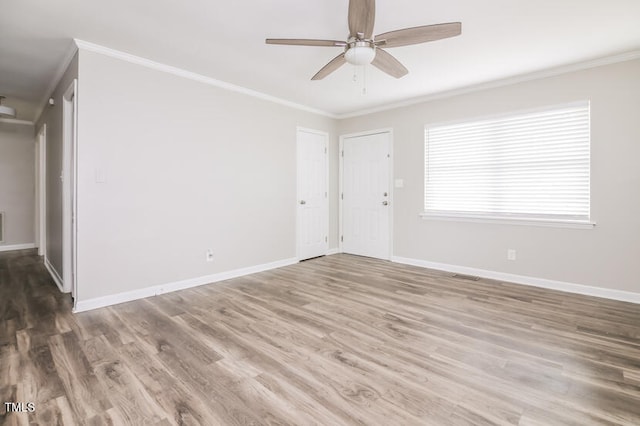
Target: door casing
<point>69,189</point>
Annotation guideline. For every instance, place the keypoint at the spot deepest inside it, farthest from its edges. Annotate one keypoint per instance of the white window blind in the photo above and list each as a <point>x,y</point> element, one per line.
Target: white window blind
<point>530,166</point>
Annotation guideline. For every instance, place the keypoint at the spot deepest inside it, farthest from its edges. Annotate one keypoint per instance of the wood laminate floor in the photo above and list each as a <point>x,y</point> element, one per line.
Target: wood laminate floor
<point>331,341</point>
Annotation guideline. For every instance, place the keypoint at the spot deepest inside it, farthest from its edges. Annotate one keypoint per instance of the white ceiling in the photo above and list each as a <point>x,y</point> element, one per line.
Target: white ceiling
<point>225,40</point>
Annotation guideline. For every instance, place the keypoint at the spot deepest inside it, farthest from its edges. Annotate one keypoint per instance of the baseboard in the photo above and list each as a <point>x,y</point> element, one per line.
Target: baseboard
<point>54,274</point>
<point>333,251</point>
<point>17,247</point>
<point>624,296</point>
<point>100,302</point>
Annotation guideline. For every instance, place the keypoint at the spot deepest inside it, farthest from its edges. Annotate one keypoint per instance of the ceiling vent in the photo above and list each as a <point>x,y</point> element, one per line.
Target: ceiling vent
<point>6,111</point>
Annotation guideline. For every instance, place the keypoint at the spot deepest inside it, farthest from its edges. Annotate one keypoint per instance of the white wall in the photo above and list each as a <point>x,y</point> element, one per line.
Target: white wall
<point>17,183</point>
<point>52,117</point>
<point>606,256</point>
<point>188,167</point>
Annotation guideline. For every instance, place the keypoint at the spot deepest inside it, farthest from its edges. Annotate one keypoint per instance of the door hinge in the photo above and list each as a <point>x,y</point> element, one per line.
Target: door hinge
<point>342,238</point>
<point>342,153</point>
<point>325,150</point>
<point>326,239</point>
<point>342,196</point>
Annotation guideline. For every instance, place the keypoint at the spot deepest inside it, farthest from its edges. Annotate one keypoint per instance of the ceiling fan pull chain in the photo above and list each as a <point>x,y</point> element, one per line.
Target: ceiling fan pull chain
<point>364,80</point>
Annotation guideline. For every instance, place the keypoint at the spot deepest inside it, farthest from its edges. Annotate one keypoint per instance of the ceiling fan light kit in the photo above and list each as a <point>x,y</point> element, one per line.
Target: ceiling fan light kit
<point>6,111</point>
<point>360,53</point>
<point>363,48</point>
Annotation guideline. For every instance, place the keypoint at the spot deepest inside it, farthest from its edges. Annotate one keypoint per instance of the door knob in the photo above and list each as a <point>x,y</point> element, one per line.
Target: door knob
<point>303,202</point>
<point>385,203</point>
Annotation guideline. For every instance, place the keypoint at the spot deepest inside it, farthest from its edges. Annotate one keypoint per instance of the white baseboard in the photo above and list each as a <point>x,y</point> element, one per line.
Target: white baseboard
<point>17,247</point>
<point>54,274</point>
<point>625,296</point>
<point>114,299</point>
<point>333,251</point>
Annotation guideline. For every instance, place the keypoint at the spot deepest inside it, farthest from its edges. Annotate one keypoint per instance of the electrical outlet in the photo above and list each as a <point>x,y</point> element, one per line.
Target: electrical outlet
<point>209,255</point>
<point>511,254</point>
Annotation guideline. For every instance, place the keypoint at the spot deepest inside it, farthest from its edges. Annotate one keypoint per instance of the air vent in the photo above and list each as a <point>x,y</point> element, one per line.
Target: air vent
<point>1,227</point>
<point>466,277</point>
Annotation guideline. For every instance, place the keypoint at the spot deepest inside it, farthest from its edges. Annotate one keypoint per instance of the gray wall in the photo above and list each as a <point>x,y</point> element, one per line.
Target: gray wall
<point>17,182</point>
<point>188,167</point>
<point>52,116</point>
<point>606,256</point>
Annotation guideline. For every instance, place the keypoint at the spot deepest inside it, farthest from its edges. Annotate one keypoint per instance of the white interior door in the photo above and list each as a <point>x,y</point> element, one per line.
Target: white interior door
<point>366,195</point>
<point>313,207</point>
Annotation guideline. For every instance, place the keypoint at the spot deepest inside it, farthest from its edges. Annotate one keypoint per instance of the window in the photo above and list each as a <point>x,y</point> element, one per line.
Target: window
<point>532,166</point>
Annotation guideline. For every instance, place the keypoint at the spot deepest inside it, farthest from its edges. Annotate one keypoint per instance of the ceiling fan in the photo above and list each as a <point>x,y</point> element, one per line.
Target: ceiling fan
<point>362,48</point>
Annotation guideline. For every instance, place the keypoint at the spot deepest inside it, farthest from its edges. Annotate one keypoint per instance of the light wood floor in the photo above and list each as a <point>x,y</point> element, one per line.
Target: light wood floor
<point>331,341</point>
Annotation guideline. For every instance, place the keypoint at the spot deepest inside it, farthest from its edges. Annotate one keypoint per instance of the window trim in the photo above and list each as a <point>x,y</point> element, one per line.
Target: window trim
<point>509,219</point>
<point>505,220</point>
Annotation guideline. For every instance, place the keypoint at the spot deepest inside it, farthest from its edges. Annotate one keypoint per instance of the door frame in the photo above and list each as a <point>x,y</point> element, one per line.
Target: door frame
<point>41,191</point>
<point>326,159</point>
<point>69,188</point>
<point>388,130</point>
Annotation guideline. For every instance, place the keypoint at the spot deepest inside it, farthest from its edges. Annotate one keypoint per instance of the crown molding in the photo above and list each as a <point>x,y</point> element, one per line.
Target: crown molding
<point>15,121</point>
<point>62,68</point>
<point>77,44</point>
<point>521,78</point>
<point>91,47</point>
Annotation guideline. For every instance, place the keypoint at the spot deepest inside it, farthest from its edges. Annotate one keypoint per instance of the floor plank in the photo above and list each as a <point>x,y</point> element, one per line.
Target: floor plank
<point>335,340</point>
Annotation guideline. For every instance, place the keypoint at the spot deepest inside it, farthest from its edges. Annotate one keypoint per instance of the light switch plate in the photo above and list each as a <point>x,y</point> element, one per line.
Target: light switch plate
<point>101,175</point>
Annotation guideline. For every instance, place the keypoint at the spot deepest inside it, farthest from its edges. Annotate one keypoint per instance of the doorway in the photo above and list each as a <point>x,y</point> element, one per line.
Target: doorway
<point>365,198</point>
<point>312,202</point>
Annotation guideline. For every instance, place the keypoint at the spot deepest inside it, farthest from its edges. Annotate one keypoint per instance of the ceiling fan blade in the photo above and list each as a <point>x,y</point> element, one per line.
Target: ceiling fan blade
<point>362,16</point>
<point>387,63</point>
<point>305,42</point>
<point>417,35</point>
<point>333,65</point>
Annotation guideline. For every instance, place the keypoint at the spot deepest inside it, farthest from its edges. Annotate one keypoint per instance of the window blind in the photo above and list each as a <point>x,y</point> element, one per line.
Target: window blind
<point>534,165</point>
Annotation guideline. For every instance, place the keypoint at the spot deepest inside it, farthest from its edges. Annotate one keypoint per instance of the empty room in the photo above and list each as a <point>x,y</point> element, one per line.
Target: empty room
<point>320,213</point>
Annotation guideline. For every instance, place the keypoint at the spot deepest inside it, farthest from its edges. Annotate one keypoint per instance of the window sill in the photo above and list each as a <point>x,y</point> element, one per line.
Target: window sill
<point>498,220</point>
